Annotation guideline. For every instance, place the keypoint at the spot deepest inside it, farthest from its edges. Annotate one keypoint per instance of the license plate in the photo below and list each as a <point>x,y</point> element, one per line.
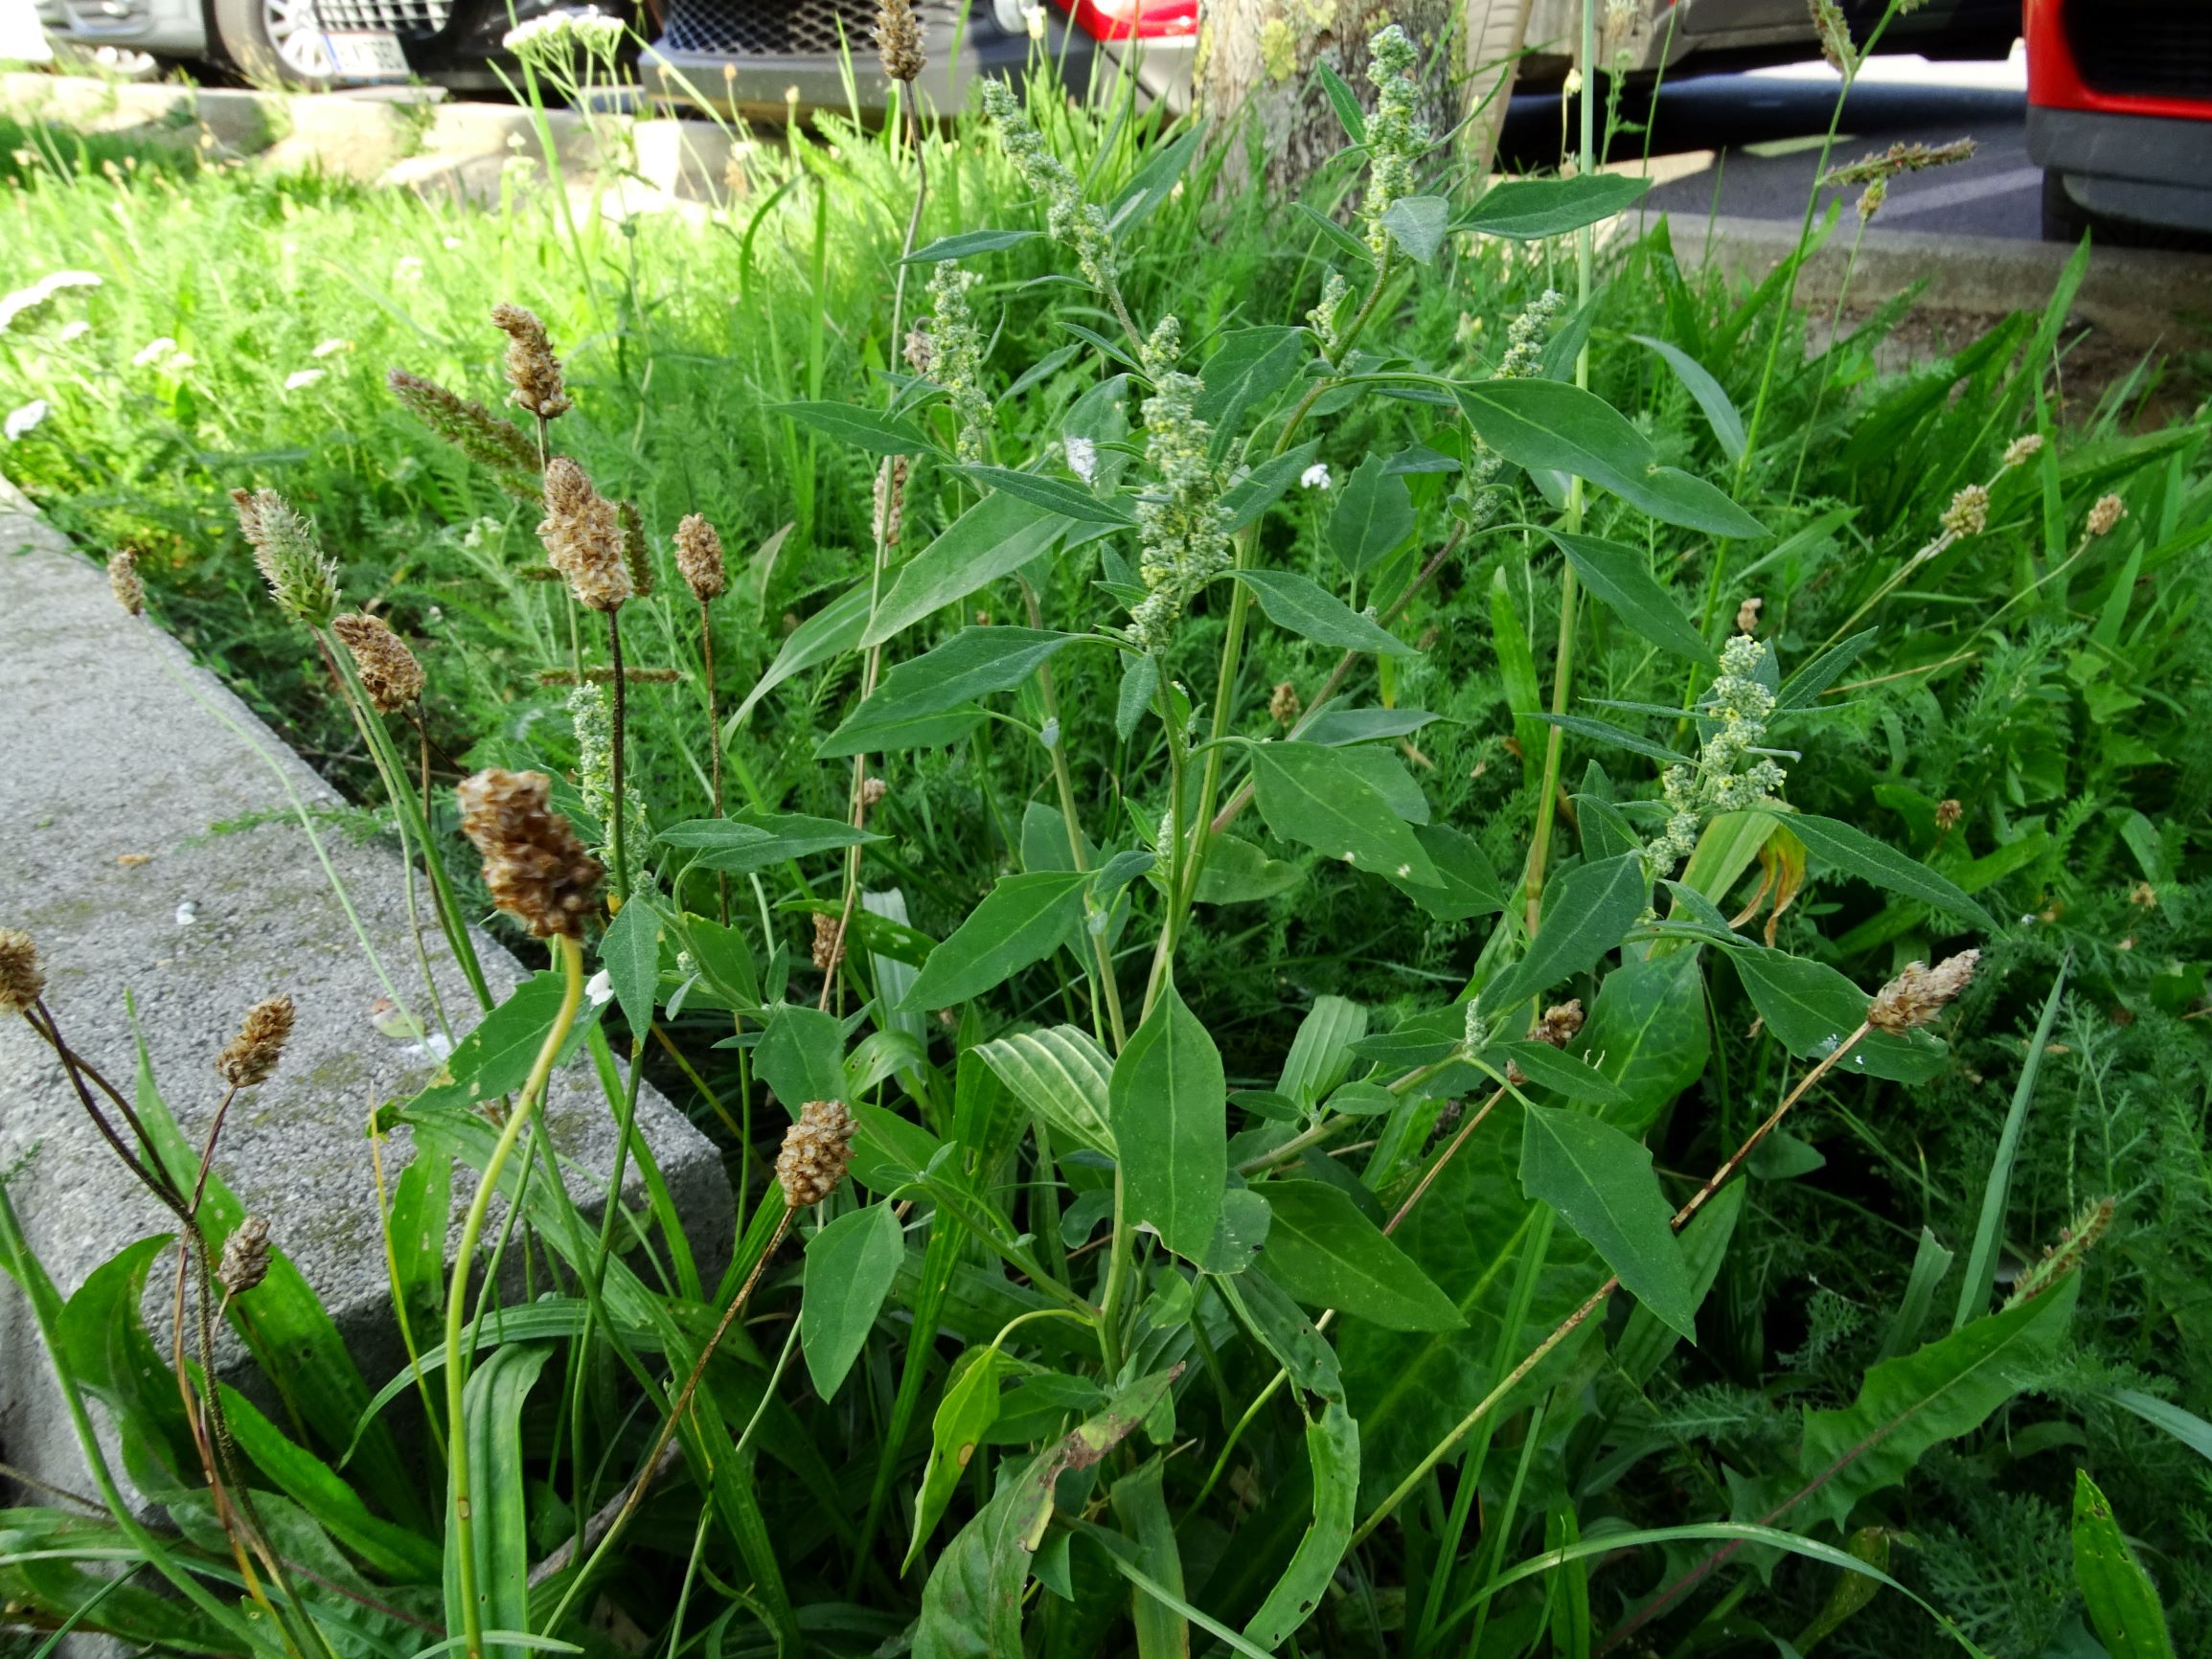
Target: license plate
<point>367,57</point>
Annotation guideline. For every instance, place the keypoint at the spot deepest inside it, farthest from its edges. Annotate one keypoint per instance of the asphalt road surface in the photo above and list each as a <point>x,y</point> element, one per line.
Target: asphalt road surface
<point>1749,145</point>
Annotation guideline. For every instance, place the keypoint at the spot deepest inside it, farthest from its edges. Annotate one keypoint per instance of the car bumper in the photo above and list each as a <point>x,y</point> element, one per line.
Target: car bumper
<point>703,60</point>
<point>2148,170</point>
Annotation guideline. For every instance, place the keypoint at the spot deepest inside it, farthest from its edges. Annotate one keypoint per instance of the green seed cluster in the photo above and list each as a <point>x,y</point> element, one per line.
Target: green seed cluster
<point>1073,222</point>
<point>1182,529</point>
<point>1396,134</point>
<point>956,359</point>
<point>1726,777</point>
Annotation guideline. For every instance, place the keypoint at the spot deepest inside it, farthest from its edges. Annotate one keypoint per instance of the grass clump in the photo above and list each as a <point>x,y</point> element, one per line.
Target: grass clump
<point>1438,948</point>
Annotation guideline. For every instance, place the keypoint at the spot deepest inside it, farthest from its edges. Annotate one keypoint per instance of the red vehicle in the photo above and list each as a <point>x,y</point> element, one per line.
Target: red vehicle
<point>2120,113</point>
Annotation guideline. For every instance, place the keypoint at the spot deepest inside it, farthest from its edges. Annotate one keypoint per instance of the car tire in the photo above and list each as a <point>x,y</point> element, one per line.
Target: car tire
<point>272,42</point>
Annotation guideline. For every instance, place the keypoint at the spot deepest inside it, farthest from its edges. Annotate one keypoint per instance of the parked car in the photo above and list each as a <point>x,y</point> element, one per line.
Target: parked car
<point>766,59</point>
<point>312,45</point>
<point>2120,114</point>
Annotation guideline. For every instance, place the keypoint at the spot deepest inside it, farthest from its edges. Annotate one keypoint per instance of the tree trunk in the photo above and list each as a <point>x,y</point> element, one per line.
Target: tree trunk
<point>1257,57</point>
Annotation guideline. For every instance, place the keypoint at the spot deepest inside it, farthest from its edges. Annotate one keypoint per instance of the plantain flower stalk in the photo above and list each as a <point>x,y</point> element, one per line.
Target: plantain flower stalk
<point>470,428</point>
<point>583,533</point>
<point>245,1256</point>
<point>302,578</point>
<point>389,673</point>
<point>531,368</point>
<point>538,871</point>
<point>251,1056</point>
<point>1916,996</point>
<point>124,583</point>
<point>898,40</point>
<point>22,977</point>
<point>818,1150</point>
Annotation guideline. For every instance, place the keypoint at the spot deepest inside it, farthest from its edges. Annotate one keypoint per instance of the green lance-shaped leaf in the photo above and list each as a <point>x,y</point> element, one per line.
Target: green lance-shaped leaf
<point>1332,1448</point>
<point>801,1056</point>
<point>1546,1068</point>
<point>1055,494</point>
<point>1250,367</point>
<point>1601,1183</point>
<point>492,1420</point>
<point>1285,1333</point>
<point>756,840</point>
<point>1325,1253</point>
<point>1527,210</point>
<point>964,1417</point>
<point>630,950</point>
<point>1585,913</point>
<point>1169,1101</point>
<point>862,428</point>
<point>973,662</point>
<point>851,1264</point>
<point>1022,920</point>
<point>1856,853</point>
<point>2122,1601</point>
<point>1548,424</point>
<point>1624,581</point>
<point>1303,606</point>
<point>997,536</point>
<point>1906,1406</point>
<point>1811,1007</point>
<point>1311,794</point>
<point>1064,1076</point>
<point>967,242</point>
<point>1371,518</point>
<point>830,631</point>
<point>1720,413</point>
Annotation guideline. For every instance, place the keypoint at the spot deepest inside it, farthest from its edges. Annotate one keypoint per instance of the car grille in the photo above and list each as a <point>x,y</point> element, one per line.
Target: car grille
<point>774,28</point>
<point>2142,48</point>
<point>412,18</point>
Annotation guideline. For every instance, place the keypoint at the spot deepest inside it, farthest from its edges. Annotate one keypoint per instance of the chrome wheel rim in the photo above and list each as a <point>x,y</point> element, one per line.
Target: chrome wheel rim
<point>296,35</point>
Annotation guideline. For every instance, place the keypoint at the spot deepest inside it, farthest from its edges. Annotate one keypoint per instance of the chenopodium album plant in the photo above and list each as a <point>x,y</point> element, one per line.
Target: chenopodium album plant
<point>1214,1340</point>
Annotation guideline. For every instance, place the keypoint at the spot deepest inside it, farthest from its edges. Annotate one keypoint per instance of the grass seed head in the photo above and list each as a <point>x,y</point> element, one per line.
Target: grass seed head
<point>636,551</point>
<point>1921,992</point>
<point>22,979</point>
<point>828,942</point>
<point>531,368</point>
<point>2076,1241</point>
<point>245,1256</point>
<point>251,1056</point>
<point>818,1150</point>
<point>538,872</point>
<point>123,582</point>
<point>465,423</point>
<point>2105,514</point>
<point>2023,449</point>
<point>898,40</point>
<point>1968,514</point>
<point>302,578</point>
<point>389,673</point>
<point>584,538</point>
<point>699,558</point>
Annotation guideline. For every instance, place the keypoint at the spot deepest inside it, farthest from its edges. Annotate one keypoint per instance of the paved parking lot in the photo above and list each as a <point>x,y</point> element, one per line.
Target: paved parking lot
<point>1748,146</point>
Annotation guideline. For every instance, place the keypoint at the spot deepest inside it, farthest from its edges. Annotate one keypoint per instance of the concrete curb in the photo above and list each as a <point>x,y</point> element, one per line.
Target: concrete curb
<point>409,138</point>
<point>2137,296</point>
<point>148,849</point>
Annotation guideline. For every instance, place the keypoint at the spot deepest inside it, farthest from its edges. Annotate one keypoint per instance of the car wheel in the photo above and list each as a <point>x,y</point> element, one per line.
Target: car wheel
<point>274,40</point>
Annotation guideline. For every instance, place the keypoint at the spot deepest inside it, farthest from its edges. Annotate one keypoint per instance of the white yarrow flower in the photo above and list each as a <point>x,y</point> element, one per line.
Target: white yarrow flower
<point>154,352</point>
<point>1316,476</point>
<point>600,988</point>
<point>409,269</point>
<point>75,331</point>
<point>23,420</point>
<point>1083,459</point>
<point>330,348</point>
<point>39,292</point>
<point>299,379</point>
<point>1033,17</point>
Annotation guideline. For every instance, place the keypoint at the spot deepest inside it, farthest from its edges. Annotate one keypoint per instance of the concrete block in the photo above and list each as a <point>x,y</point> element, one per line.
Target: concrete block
<point>696,160</point>
<point>351,137</point>
<point>148,848</point>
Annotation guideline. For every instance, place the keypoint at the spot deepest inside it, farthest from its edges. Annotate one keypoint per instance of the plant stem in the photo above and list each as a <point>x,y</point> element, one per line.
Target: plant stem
<point>675,1417</point>
<point>457,1356</point>
<point>714,748</point>
<point>1597,1298</point>
<point>615,769</point>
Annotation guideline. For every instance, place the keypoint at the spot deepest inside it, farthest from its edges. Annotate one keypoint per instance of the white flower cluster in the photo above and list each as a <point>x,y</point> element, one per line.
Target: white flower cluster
<point>39,292</point>
<point>22,421</point>
<point>1721,781</point>
<point>1082,456</point>
<point>547,41</point>
<point>1073,221</point>
<point>1182,530</point>
<point>1396,134</point>
<point>956,360</point>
